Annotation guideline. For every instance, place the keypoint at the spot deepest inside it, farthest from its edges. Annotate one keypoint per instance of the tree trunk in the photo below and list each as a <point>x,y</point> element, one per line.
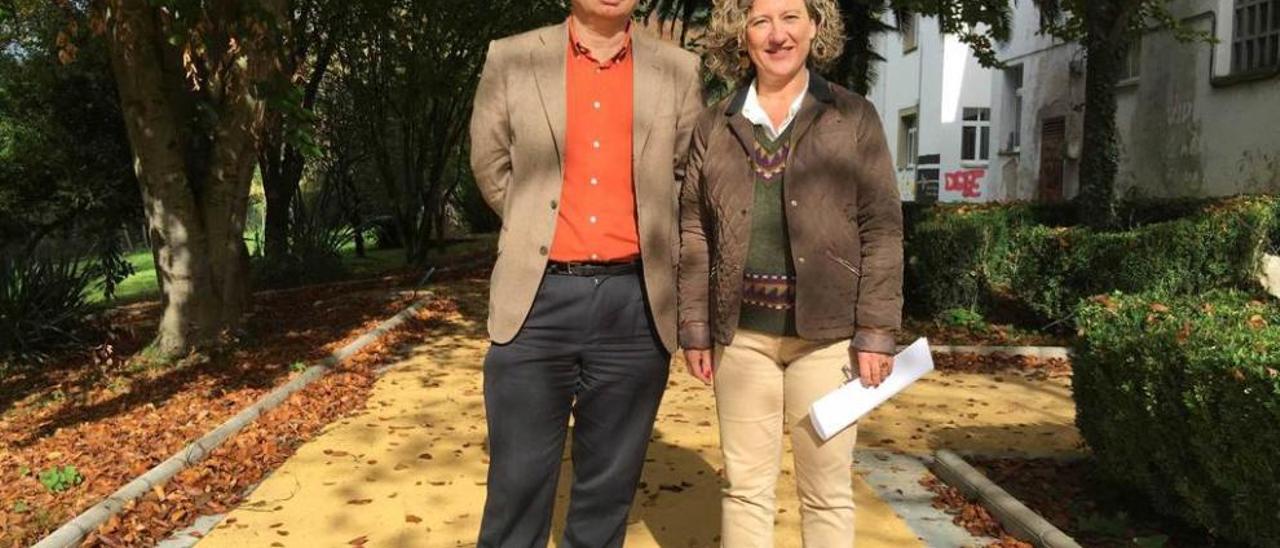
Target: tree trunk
<point>280,182</point>
<point>1106,45</point>
<point>197,237</point>
<point>280,161</point>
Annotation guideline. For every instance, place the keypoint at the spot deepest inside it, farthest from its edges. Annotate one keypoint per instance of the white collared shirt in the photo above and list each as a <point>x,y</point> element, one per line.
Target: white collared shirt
<point>755,113</point>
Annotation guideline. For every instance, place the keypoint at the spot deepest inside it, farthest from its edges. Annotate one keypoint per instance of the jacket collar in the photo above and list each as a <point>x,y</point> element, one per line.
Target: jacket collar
<point>819,89</point>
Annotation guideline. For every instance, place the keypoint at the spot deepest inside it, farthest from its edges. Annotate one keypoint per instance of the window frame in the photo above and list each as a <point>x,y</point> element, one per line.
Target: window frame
<point>908,138</point>
<point>909,31</point>
<point>980,125</point>
<point>1255,36</point>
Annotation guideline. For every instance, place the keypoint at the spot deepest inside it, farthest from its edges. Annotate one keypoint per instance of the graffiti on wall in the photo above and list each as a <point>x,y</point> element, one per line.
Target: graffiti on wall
<point>968,182</point>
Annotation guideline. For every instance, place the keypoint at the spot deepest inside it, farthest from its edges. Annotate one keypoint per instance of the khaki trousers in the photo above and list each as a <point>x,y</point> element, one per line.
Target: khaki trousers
<point>762,383</point>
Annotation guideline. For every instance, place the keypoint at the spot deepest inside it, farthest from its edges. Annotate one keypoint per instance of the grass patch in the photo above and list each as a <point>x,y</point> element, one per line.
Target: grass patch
<point>142,285</point>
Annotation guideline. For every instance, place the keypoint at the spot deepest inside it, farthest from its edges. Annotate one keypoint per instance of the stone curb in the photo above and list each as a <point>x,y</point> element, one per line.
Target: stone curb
<point>1042,352</point>
<point>70,534</point>
<point>1021,521</point>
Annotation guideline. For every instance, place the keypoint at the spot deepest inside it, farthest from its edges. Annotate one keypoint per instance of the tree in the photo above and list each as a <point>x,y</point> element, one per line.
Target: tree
<point>309,46</point>
<point>1106,29</point>
<point>975,22</point>
<point>192,77</point>
<point>65,166</point>
<point>412,68</point>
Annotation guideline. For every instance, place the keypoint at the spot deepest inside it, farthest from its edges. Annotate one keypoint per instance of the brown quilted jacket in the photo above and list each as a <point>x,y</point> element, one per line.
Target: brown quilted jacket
<point>843,214</point>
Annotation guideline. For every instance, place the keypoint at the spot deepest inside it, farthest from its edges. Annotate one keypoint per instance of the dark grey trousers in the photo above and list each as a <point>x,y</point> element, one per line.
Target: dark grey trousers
<point>589,348</point>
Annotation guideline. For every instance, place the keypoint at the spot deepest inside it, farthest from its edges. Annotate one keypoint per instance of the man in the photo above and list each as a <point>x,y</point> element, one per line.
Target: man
<point>578,141</point>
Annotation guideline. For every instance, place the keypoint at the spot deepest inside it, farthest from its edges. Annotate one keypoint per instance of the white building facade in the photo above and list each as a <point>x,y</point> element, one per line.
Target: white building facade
<point>934,101</point>
<point>1195,119</point>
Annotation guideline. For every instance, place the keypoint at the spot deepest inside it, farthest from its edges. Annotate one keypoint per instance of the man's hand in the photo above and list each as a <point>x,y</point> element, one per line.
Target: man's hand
<point>699,364</point>
<point>873,367</point>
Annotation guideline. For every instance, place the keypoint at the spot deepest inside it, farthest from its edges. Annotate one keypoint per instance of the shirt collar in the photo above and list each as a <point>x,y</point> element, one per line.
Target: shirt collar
<point>755,113</point>
<point>580,50</point>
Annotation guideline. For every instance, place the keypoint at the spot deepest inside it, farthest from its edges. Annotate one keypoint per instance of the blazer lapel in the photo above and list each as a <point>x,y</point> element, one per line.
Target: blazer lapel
<point>649,83</point>
<point>549,72</point>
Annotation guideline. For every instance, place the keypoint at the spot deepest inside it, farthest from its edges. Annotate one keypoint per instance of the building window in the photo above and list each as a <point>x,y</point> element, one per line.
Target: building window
<point>1255,40</point>
<point>975,137</point>
<point>907,27</point>
<point>908,141</point>
<point>1013,108</point>
<point>1132,67</point>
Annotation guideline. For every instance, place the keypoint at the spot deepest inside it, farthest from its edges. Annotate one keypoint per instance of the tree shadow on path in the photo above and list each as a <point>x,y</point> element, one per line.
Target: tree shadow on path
<point>678,500</point>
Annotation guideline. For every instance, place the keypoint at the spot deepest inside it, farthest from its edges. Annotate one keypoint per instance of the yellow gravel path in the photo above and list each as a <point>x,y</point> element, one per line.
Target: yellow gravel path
<point>409,470</point>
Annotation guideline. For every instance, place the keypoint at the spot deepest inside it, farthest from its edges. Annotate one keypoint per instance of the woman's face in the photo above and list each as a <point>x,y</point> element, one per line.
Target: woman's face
<point>779,34</point>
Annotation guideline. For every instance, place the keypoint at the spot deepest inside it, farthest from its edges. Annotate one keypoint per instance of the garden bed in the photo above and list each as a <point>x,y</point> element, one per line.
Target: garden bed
<point>78,428</point>
<point>1072,496</point>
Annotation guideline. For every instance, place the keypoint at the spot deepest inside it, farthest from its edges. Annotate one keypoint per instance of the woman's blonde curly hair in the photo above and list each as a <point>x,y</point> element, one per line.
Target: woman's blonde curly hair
<point>726,51</point>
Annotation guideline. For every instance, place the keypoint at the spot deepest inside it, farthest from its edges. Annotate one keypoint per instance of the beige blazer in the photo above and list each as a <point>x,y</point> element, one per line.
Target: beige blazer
<point>517,155</point>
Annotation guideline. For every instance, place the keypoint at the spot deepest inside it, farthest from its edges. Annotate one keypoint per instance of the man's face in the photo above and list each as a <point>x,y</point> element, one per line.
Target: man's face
<point>605,9</point>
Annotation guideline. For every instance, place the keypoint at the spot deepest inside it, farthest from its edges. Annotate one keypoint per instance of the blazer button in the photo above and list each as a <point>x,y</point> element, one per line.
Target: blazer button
<point>554,204</point>
<point>800,260</point>
<point>543,250</point>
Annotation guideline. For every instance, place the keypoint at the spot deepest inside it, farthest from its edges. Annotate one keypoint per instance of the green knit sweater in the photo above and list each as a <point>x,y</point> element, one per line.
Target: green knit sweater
<point>769,280</point>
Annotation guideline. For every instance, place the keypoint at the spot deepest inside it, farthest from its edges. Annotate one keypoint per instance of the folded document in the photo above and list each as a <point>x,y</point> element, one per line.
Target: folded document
<point>837,410</point>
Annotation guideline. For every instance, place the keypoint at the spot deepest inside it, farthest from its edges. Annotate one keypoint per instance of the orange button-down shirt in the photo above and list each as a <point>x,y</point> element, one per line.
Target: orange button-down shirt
<point>597,214</point>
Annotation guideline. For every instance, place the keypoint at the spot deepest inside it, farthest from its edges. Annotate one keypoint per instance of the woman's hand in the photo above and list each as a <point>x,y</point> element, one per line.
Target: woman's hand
<point>873,367</point>
<point>699,364</point>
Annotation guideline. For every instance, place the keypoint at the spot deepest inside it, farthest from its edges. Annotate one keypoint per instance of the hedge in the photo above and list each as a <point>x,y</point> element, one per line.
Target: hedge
<point>997,259</point>
<point>1179,399</point>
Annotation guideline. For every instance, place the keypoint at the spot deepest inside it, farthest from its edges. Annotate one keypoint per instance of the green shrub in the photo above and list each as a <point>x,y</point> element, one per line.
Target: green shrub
<point>953,256</point>
<point>1023,259</point>
<point>43,304</point>
<point>317,235</point>
<point>1180,399</point>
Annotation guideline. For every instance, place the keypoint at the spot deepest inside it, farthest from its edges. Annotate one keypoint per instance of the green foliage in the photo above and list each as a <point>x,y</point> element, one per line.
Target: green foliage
<point>43,304</point>
<point>992,259</point>
<point>317,235</point>
<point>957,256</point>
<point>59,479</point>
<point>1179,398</point>
<point>963,318</point>
<point>65,165</point>
<point>298,367</point>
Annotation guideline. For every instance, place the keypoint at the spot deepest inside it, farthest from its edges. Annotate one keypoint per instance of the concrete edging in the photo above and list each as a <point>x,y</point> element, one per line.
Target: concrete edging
<point>1042,352</point>
<point>71,533</point>
<point>1021,521</point>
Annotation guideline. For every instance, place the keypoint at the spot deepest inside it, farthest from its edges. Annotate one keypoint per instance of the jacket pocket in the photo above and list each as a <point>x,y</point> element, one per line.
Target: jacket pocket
<point>844,263</point>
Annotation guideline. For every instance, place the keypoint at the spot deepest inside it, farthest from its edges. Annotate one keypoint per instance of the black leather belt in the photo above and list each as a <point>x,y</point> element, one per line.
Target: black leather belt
<point>592,269</point>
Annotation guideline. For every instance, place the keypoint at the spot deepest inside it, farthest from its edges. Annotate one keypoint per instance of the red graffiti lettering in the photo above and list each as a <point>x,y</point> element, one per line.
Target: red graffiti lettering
<point>968,182</point>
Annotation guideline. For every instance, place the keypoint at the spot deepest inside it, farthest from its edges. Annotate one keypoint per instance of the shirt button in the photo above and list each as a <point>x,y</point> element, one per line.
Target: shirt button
<point>594,257</point>
<point>592,219</point>
<point>794,203</point>
<point>800,260</point>
<point>595,144</point>
<point>595,181</point>
<point>596,105</point>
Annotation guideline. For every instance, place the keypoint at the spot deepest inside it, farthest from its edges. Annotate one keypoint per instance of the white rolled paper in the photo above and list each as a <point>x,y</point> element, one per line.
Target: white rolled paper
<point>845,405</point>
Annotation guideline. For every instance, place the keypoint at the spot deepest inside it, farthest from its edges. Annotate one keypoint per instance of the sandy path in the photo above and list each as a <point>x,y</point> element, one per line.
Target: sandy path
<point>410,469</point>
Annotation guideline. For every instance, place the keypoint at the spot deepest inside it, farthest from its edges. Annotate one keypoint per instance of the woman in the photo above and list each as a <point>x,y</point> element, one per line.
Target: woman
<point>790,260</point>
